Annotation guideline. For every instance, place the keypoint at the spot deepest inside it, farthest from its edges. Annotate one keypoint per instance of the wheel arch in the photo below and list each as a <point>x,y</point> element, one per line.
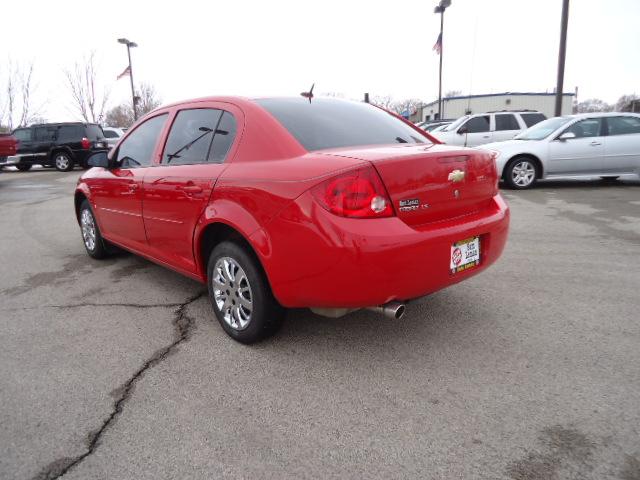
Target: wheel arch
<point>79,196</point>
<point>57,149</point>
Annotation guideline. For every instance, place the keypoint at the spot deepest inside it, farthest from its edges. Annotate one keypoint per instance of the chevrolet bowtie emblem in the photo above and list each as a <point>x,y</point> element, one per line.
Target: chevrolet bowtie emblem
<point>456,176</point>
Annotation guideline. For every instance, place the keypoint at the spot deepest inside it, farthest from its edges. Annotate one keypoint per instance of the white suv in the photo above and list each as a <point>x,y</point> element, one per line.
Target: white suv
<point>481,128</point>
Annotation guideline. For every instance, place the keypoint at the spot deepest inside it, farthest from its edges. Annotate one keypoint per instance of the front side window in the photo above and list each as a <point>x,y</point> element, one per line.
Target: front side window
<point>506,121</point>
<point>589,127</point>
<point>190,136</point>
<point>623,125</point>
<point>23,134</point>
<point>136,150</point>
<point>331,123</point>
<point>477,124</point>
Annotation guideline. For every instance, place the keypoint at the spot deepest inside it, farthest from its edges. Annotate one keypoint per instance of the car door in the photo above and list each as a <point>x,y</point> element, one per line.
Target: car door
<point>43,138</point>
<point>506,127</point>
<point>25,142</point>
<point>580,155</point>
<point>622,145</point>
<point>117,192</point>
<point>177,191</point>
<point>476,131</point>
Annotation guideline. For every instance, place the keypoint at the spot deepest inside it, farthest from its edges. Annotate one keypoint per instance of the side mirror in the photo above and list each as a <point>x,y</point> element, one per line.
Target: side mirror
<point>567,135</point>
<point>463,131</point>
<point>98,159</point>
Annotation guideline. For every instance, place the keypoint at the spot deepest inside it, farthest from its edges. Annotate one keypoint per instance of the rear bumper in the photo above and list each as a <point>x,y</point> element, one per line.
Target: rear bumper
<point>316,259</point>
<point>8,161</point>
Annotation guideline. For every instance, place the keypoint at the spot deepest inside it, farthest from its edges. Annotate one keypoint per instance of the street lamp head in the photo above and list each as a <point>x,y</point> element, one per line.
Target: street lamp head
<point>133,44</point>
<point>442,6</point>
<point>123,40</point>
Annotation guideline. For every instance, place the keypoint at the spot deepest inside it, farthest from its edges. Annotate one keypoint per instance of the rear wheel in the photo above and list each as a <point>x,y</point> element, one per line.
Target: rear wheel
<point>521,173</point>
<point>24,167</point>
<point>93,241</point>
<point>240,294</point>
<point>62,161</point>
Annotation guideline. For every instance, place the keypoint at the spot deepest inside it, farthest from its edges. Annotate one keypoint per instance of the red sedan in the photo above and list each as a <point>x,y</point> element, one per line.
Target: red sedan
<point>279,203</point>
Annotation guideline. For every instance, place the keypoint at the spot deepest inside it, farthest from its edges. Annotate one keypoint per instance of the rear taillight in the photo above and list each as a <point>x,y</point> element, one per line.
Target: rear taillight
<point>86,144</point>
<point>356,194</point>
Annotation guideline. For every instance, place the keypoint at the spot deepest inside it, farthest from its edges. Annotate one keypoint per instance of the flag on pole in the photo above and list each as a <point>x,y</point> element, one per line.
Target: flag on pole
<point>437,47</point>
<point>125,72</point>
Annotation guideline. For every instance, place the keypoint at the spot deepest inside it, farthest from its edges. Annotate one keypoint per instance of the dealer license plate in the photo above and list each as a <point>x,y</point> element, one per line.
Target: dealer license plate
<point>465,255</point>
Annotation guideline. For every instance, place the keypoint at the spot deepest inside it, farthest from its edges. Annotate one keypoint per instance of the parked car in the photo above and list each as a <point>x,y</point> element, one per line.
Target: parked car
<point>436,127</point>
<point>112,135</point>
<point>588,145</point>
<point>60,145</point>
<point>8,145</point>
<point>481,128</point>
<point>281,203</point>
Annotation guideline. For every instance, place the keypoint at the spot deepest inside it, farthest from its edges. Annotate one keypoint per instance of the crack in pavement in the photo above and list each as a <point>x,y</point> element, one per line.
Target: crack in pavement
<point>91,304</point>
<point>183,325</point>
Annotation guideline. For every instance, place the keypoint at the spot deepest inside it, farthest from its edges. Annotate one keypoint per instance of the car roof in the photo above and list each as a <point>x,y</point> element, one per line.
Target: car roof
<point>602,114</point>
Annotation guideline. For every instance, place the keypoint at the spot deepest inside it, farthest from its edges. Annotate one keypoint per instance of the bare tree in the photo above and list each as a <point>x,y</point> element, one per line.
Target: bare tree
<point>16,96</point>
<point>593,105</point>
<point>384,101</point>
<point>626,102</point>
<point>409,105</point>
<point>122,115</point>
<point>87,97</point>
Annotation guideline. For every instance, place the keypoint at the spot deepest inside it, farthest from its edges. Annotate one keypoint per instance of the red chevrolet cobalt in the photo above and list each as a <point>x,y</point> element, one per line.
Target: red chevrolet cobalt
<point>279,203</point>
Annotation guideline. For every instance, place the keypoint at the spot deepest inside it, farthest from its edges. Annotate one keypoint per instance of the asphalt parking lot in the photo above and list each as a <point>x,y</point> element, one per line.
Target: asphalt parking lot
<point>117,369</point>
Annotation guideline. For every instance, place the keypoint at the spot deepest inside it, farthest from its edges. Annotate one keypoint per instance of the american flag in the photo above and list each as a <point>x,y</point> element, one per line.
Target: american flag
<point>125,72</point>
<point>437,47</point>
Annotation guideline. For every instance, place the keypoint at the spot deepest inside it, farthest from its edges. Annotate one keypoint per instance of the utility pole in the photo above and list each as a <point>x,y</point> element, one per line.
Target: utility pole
<point>561,56</point>
<point>440,8</point>
<point>131,45</point>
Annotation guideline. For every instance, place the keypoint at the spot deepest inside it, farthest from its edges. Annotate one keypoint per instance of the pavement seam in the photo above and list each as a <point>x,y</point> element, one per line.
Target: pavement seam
<point>81,305</point>
<point>183,325</point>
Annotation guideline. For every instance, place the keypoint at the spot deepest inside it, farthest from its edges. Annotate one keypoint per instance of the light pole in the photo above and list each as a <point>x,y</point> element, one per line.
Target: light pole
<point>440,8</point>
<point>562,53</point>
<point>131,45</point>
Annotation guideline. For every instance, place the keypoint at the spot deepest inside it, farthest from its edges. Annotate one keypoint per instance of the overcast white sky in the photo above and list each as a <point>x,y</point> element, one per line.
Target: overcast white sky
<point>249,47</point>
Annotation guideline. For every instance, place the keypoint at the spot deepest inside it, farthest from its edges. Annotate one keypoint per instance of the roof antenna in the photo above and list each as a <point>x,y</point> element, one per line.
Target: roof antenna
<point>308,94</point>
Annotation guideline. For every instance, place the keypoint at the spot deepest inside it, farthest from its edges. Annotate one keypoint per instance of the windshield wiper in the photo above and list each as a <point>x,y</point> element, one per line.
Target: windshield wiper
<point>401,140</point>
<point>176,154</point>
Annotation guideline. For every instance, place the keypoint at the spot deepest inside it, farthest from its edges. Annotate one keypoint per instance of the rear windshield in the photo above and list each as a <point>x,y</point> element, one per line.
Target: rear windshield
<point>332,123</point>
<point>94,132</point>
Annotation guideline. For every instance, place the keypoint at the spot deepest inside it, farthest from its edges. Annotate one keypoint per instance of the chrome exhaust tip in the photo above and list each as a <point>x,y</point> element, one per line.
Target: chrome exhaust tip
<point>392,310</point>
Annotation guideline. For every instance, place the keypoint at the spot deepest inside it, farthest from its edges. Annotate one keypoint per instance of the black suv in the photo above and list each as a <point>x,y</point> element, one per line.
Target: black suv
<point>60,145</point>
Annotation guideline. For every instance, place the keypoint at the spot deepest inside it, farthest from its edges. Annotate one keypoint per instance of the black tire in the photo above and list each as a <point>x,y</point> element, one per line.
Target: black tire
<point>266,313</point>
<point>511,178</point>
<point>97,249</point>
<point>62,161</point>
<point>24,167</point>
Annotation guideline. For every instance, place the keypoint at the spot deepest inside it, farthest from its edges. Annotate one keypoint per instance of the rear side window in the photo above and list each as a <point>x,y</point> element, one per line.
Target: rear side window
<point>110,134</point>
<point>94,132</point>
<point>623,125</point>
<point>530,119</point>
<point>506,121</point>
<point>136,150</point>
<point>24,134</point>
<point>70,133</point>
<point>223,139</point>
<point>44,134</point>
<point>477,124</point>
<point>332,123</point>
<point>190,136</point>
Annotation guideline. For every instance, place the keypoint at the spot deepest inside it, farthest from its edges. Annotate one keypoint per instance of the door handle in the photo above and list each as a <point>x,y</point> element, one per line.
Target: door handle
<point>595,143</point>
<point>190,188</point>
<point>133,187</point>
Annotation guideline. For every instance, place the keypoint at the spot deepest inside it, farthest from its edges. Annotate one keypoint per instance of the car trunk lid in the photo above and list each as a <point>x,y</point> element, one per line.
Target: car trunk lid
<point>434,182</point>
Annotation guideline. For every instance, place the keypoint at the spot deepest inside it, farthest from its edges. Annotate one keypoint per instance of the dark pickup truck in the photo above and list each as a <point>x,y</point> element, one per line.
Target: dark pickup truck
<point>59,145</point>
<point>8,145</point>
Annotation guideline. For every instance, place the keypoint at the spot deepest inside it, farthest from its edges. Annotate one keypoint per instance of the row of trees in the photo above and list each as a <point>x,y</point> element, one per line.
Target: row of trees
<point>625,103</point>
<point>88,96</point>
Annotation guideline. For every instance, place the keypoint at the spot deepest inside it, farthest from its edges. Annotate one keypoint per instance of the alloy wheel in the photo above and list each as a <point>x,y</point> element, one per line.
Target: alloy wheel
<point>523,173</point>
<point>62,162</point>
<point>232,293</point>
<point>88,229</point>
